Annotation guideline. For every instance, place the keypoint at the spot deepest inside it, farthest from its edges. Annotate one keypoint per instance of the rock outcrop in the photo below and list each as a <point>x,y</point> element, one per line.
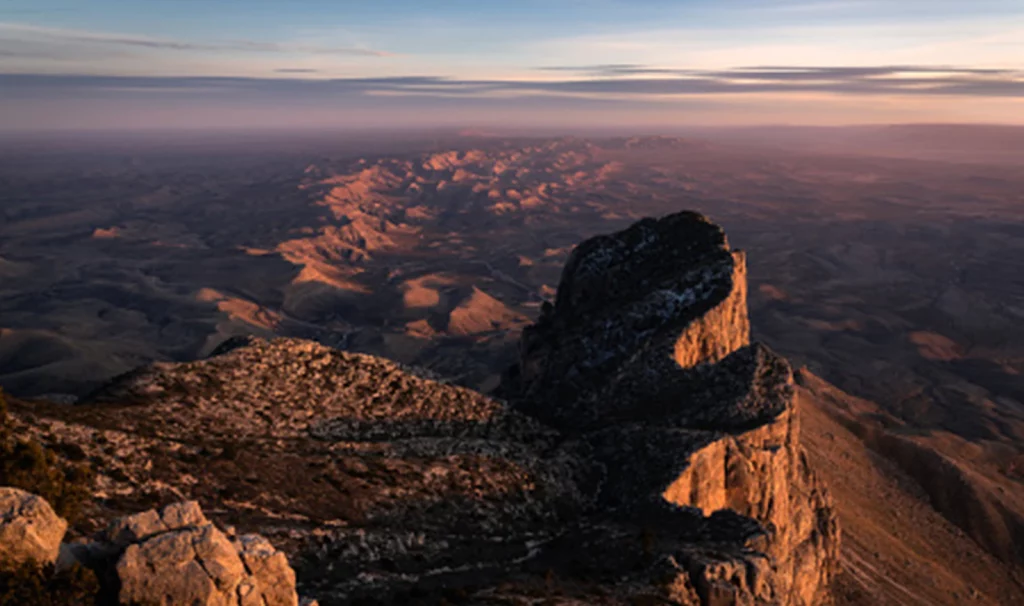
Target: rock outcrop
<point>643,450</point>
<point>177,556</point>
<point>30,531</point>
<point>633,310</point>
<point>645,357</point>
<point>674,470</point>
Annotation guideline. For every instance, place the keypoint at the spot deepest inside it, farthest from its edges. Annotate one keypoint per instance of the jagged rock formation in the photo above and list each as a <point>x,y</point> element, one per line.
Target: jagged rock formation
<point>645,355</point>
<point>632,310</point>
<point>30,531</point>
<point>644,450</point>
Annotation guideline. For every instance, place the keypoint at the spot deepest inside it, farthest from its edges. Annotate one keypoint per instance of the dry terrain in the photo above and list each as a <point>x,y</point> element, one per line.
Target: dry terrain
<point>895,276</point>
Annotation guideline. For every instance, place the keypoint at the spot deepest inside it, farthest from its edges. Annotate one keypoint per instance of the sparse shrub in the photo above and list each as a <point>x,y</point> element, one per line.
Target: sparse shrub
<point>28,465</point>
<point>230,451</point>
<point>5,432</point>
<point>647,542</point>
<point>647,600</point>
<point>31,585</point>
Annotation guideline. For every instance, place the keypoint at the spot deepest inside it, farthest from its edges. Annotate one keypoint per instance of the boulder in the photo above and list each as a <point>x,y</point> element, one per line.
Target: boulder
<point>30,531</point>
<point>177,556</point>
<point>269,568</point>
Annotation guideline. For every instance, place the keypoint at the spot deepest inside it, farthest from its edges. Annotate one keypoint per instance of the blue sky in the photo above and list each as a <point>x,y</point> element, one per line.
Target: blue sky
<point>199,63</point>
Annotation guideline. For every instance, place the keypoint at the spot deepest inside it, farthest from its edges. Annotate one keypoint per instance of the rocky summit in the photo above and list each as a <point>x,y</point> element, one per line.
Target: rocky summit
<point>646,358</point>
<point>642,450</point>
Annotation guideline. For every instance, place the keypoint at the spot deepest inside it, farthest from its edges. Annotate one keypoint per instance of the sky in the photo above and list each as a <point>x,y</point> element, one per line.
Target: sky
<point>245,64</point>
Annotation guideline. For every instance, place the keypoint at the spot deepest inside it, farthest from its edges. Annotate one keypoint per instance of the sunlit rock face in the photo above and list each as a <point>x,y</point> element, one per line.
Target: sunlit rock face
<point>646,358</point>
<point>30,531</point>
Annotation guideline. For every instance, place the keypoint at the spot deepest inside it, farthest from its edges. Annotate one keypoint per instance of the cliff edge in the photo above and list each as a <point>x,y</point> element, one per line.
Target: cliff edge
<point>646,357</point>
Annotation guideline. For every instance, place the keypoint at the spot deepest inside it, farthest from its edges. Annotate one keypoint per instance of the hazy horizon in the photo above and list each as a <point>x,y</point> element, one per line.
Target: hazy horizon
<point>606,302</point>
<point>311,64</point>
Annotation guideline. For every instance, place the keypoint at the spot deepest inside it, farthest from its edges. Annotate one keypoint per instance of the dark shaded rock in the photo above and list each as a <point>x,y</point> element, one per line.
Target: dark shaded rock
<point>632,308</point>
<point>645,356</point>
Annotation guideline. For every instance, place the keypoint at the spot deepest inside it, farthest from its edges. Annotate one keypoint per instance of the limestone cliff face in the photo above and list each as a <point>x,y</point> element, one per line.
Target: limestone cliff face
<point>647,352</point>
<point>631,308</point>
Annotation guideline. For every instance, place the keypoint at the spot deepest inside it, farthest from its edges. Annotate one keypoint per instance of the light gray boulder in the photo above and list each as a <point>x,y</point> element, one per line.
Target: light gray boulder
<point>30,531</point>
<point>177,556</point>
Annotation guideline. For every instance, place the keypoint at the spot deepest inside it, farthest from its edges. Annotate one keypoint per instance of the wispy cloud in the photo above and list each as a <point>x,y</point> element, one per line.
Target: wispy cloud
<point>768,72</point>
<point>23,54</point>
<point>819,6</point>
<point>296,70</point>
<point>35,32</point>
<point>840,80</point>
<point>886,79</point>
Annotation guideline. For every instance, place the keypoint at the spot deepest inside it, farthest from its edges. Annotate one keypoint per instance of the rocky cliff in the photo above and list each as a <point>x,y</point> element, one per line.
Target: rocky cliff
<point>646,357</point>
<point>642,451</point>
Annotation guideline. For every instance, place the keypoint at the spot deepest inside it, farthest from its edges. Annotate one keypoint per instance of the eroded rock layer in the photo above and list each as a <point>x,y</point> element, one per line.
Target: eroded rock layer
<point>645,356</point>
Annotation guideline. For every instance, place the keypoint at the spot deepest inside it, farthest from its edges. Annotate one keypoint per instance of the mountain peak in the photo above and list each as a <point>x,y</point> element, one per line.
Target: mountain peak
<point>641,448</point>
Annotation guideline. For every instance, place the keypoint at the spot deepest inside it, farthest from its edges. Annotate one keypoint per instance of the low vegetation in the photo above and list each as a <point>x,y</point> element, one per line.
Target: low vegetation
<point>31,585</point>
<point>30,466</point>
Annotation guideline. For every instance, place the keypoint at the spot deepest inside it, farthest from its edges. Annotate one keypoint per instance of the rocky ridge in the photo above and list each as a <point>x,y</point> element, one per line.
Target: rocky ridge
<point>642,449</point>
